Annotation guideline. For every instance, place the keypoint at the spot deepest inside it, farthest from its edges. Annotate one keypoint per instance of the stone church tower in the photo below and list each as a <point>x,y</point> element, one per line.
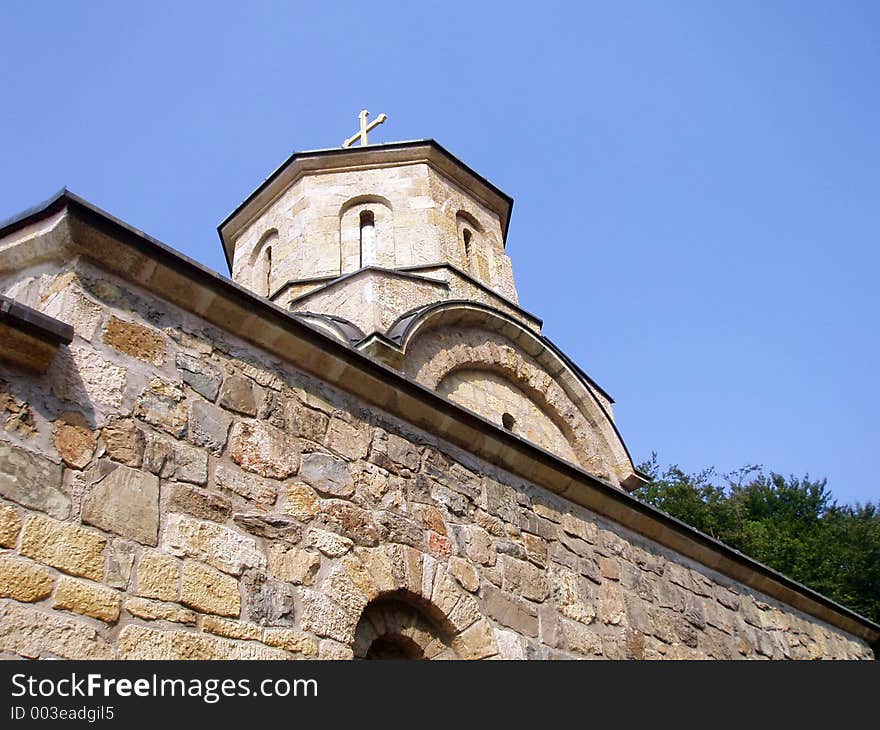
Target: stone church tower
<point>398,251</point>
<point>359,447</point>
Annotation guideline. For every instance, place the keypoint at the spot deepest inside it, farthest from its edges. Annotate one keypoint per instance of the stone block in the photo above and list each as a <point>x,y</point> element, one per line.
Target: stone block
<point>198,503</point>
<point>524,579</point>
<point>10,526</point>
<point>125,502</point>
<point>124,442</point>
<point>245,485</point>
<point>32,481</point>
<point>143,343</point>
<point>509,611</point>
<point>75,441</point>
<point>70,548</point>
<point>350,442</point>
<point>302,502</point>
<point>158,576</point>
<point>149,610</point>
<point>240,394</point>
<point>170,459</point>
<point>33,633</point>
<point>293,565</point>
<point>217,545</point>
<point>327,474</point>
<point>24,580</point>
<point>88,599</point>
<point>208,426</point>
<point>141,642</point>
<point>200,374</point>
<point>263,449</point>
<point>120,560</point>
<point>209,591</point>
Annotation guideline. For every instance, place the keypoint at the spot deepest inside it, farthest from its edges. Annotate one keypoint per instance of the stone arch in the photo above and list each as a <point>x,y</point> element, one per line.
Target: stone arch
<point>423,608</point>
<point>357,250</point>
<point>393,628</point>
<point>455,335</point>
<point>260,262</point>
<point>472,244</point>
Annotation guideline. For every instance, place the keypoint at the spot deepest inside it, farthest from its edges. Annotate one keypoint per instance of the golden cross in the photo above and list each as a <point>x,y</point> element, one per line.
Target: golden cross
<point>362,135</point>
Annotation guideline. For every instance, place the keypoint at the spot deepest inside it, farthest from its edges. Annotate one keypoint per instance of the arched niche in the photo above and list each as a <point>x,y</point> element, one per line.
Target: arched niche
<point>261,263</point>
<point>366,233</point>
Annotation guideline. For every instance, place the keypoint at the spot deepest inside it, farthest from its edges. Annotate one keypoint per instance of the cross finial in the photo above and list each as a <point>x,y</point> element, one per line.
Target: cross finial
<point>362,134</point>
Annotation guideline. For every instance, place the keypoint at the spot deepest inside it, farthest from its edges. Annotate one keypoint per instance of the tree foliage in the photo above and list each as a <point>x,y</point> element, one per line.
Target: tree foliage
<point>790,524</point>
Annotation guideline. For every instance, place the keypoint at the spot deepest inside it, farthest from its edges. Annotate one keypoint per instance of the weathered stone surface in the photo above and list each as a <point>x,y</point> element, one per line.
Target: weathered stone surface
<point>245,485</point>
<point>477,642</point>
<point>403,452</point>
<point>582,639</point>
<point>464,573</point>
<point>327,474</point>
<point>509,611</point>
<point>136,340</point>
<point>510,645</point>
<point>33,633</point>
<point>240,394</point>
<point>269,602</point>
<point>140,642</point>
<point>198,502</point>
<point>158,576</point>
<point>162,405</point>
<point>69,548</point>
<point>120,560</point>
<point>350,442</point>
<point>525,579</point>
<point>23,580</point>
<point>124,442</point>
<point>88,599</point>
<point>209,591</point>
<point>199,374</point>
<point>352,522</point>
<point>10,526</point>
<point>611,605</point>
<point>175,460</point>
<point>125,502</point>
<point>302,501</point>
<point>329,543</point>
<point>231,629</point>
<point>82,376</point>
<point>211,543</point>
<point>75,441</point>
<point>158,611</point>
<point>272,527</point>
<point>572,594</point>
<point>263,449</point>
<point>324,618</point>
<point>291,640</point>
<point>208,426</point>
<point>32,481</point>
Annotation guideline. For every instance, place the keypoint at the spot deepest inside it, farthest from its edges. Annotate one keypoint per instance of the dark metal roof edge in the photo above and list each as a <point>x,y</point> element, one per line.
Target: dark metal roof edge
<point>20,220</point>
<point>379,370</point>
<point>332,151</point>
<point>33,322</point>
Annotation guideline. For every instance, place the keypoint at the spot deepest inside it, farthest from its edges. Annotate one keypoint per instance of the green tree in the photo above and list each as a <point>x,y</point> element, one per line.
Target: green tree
<point>792,525</point>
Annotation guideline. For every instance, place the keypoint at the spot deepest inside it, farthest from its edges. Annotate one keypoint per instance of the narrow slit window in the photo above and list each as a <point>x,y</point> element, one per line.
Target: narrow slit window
<point>508,421</point>
<point>268,270</point>
<point>466,237</point>
<point>368,238</point>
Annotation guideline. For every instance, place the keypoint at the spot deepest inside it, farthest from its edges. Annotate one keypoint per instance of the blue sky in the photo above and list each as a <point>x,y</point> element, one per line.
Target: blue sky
<point>697,217</point>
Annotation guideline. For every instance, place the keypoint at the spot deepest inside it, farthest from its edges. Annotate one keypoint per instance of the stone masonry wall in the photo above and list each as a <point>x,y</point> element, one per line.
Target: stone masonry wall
<point>168,492</point>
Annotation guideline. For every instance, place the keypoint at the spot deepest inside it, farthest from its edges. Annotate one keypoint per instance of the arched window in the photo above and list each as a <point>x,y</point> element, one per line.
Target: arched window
<point>368,238</point>
<point>268,269</point>
<point>261,263</point>
<point>466,236</point>
<point>508,421</point>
